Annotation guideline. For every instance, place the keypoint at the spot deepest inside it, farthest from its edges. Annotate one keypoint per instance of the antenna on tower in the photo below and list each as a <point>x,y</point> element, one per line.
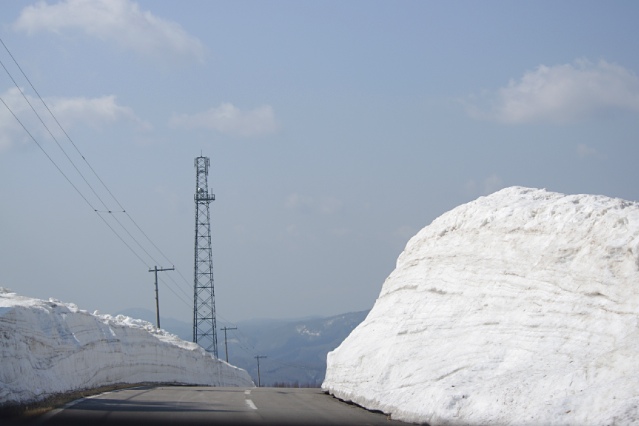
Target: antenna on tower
<point>204,322</point>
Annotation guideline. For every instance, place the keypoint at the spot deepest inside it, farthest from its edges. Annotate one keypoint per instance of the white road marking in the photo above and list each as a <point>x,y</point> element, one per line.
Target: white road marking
<point>250,404</point>
<point>247,392</point>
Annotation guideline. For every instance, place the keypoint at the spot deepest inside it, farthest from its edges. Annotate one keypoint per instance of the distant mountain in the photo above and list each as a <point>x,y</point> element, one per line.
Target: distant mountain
<point>295,350</point>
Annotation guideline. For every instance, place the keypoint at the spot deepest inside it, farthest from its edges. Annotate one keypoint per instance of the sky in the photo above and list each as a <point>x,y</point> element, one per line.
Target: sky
<point>335,131</point>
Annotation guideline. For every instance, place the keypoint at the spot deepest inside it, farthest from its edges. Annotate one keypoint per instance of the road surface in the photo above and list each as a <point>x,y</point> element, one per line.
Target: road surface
<point>184,405</point>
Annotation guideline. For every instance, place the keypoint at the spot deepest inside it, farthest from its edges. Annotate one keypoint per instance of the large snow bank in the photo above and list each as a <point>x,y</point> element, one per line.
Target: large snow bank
<point>521,307</point>
<point>48,347</point>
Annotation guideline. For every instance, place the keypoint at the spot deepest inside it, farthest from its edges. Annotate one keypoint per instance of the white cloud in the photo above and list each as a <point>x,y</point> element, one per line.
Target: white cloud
<point>230,120</point>
<point>68,111</point>
<point>119,21</point>
<point>94,111</point>
<point>562,93</point>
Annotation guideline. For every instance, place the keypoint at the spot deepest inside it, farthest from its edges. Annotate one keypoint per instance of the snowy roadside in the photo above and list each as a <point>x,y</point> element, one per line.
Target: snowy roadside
<point>50,347</point>
<point>521,307</point>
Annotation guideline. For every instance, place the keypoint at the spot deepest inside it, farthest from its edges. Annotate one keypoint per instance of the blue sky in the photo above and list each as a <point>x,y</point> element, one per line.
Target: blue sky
<point>336,130</point>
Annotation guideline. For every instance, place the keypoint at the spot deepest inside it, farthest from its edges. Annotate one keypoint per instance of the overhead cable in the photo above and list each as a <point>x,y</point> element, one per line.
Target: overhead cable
<point>93,190</point>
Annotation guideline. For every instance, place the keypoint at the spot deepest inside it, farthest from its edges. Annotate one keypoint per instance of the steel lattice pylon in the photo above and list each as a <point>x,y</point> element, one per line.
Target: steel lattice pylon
<point>204,322</point>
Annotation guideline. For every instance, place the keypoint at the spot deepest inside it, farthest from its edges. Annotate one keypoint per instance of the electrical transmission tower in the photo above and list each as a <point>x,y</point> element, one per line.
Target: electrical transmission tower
<point>204,323</point>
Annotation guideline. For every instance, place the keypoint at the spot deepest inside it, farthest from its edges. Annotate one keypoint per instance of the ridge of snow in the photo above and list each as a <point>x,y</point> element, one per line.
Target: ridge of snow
<point>50,347</point>
<point>303,330</point>
<point>521,307</point>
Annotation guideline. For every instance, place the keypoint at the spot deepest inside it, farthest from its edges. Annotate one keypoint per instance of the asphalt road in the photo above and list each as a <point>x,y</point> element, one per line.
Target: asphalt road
<point>184,405</point>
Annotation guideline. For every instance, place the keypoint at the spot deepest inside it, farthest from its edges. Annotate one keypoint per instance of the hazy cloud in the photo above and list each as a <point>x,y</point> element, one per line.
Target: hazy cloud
<point>404,233</point>
<point>169,196</point>
<point>561,93</point>
<point>230,120</point>
<point>487,186</point>
<point>308,204</point>
<point>119,21</point>
<point>585,151</point>
<point>492,183</point>
<point>341,232</point>
<point>293,230</point>
<point>68,111</point>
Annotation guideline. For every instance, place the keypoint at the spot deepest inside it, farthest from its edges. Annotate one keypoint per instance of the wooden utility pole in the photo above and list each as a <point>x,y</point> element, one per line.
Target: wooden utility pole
<point>157,294</point>
<point>226,348</point>
<point>259,382</point>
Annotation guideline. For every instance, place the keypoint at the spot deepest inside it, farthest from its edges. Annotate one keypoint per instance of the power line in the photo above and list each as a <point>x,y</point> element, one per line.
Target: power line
<point>51,133</point>
<point>241,338</point>
<point>47,154</point>
<point>157,293</point>
<point>67,156</point>
<point>58,123</point>
<point>226,346</point>
<point>85,160</point>
<point>258,357</point>
<point>68,179</point>
<point>188,304</point>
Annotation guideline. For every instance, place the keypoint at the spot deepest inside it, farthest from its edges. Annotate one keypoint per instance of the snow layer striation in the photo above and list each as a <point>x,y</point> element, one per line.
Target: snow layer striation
<point>521,307</point>
<point>50,347</point>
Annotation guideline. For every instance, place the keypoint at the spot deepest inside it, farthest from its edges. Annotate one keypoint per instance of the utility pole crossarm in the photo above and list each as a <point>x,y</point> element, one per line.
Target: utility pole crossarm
<point>259,381</point>
<point>226,348</point>
<point>157,294</point>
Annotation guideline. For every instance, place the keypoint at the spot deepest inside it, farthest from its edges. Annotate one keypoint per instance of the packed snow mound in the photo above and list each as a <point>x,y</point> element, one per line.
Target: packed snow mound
<point>50,347</point>
<point>518,308</point>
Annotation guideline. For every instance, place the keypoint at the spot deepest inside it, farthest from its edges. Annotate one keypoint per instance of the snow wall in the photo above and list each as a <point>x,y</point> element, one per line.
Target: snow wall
<point>518,308</point>
<point>49,347</point>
